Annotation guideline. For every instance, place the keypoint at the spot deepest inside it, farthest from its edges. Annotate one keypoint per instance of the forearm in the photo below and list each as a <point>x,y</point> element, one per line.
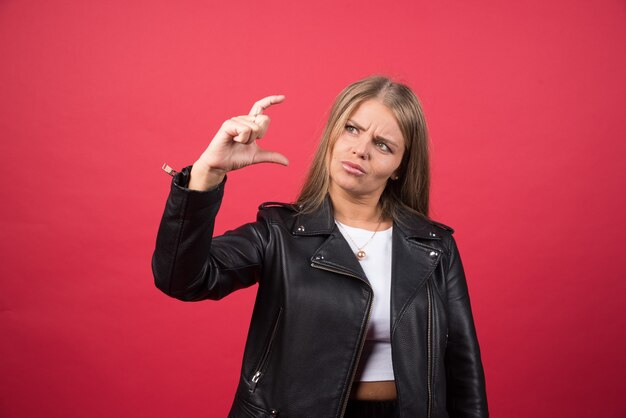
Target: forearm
<point>184,239</point>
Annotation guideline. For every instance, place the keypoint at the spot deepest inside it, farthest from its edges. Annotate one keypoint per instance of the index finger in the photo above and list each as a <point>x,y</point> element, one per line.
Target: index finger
<point>264,103</point>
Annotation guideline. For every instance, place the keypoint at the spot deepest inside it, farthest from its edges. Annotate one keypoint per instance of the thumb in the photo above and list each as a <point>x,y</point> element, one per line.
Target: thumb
<point>264,156</point>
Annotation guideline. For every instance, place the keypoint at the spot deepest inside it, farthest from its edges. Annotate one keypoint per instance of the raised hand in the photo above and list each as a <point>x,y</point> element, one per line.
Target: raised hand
<point>234,146</point>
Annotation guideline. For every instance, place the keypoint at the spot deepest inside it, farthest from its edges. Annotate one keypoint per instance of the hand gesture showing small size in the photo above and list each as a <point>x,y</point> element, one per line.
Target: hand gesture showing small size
<point>234,146</point>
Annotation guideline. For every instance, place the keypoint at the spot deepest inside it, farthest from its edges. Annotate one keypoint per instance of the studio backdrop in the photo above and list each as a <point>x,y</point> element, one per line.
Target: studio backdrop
<point>525,107</point>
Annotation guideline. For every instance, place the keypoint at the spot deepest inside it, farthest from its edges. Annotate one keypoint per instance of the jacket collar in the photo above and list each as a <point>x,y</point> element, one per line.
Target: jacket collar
<point>411,224</point>
<point>413,259</point>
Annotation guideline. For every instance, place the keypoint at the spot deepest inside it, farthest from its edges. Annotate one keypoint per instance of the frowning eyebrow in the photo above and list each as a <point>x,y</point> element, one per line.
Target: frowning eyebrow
<point>379,138</point>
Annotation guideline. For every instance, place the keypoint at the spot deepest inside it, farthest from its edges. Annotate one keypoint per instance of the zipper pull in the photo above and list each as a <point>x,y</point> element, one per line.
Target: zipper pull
<point>169,170</point>
<point>255,380</point>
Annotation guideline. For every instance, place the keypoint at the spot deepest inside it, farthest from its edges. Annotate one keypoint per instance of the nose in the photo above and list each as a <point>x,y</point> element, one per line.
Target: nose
<point>361,150</point>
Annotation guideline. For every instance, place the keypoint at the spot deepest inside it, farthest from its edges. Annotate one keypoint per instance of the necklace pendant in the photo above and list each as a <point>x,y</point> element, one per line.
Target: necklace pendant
<point>360,254</point>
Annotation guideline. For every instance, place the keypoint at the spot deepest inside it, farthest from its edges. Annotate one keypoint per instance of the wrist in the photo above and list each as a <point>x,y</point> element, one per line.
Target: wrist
<point>204,178</point>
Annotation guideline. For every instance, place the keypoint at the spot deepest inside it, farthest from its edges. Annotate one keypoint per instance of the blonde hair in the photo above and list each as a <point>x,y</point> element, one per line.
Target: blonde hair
<point>411,189</point>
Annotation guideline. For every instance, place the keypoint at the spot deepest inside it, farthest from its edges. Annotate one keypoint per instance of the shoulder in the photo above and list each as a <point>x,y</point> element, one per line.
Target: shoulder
<point>419,225</point>
<point>429,231</point>
<point>445,231</point>
<point>277,212</point>
<point>440,225</point>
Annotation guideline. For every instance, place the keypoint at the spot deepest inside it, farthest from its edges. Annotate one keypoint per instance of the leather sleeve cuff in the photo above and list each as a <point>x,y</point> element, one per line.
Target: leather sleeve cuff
<point>194,199</point>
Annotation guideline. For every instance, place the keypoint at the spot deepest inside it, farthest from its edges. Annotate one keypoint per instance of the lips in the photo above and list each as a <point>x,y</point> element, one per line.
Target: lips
<point>353,168</point>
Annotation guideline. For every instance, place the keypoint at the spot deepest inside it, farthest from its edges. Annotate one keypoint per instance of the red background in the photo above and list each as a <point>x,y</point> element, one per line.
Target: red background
<point>525,105</point>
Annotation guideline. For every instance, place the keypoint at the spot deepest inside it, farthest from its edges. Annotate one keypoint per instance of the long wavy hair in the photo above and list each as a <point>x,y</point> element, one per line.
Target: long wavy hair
<point>412,188</point>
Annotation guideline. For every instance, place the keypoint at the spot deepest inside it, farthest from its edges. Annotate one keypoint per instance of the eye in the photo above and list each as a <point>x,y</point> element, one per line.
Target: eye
<point>351,129</point>
<point>382,146</point>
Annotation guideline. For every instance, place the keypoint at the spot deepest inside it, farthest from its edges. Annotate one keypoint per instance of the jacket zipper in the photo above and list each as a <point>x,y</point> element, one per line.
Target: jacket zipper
<point>169,170</point>
<point>259,370</point>
<point>363,331</point>
<point>430,351</point>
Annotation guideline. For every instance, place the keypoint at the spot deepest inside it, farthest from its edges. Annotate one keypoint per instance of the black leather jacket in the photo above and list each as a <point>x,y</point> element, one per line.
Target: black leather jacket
<point>313,306</point>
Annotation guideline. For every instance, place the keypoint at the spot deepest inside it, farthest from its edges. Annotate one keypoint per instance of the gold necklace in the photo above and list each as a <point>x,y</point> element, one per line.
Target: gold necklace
<point>360,254</point>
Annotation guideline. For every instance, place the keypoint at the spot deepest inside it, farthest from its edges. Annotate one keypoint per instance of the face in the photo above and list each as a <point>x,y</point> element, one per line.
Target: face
<point>368,152</point>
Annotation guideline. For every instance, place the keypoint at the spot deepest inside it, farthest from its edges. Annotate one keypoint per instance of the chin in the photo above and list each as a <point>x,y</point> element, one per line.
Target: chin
<point>354,188</point>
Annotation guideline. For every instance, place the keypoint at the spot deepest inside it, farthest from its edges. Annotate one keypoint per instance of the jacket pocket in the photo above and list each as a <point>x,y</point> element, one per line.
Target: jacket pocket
<point>243,408</point>
<point>260,369</point>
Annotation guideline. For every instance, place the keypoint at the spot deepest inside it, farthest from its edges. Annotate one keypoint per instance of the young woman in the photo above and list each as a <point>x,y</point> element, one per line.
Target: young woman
<point>362,307</point>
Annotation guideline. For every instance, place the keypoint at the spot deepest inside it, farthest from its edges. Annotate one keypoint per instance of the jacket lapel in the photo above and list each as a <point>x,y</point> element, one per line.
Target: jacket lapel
<point>414,258</point>
<point>335,253</point>
<point>412,264</point>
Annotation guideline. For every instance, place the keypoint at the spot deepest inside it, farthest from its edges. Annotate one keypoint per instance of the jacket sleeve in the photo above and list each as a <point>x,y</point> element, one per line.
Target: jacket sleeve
<point>466,392</point>
<point>188,263</point>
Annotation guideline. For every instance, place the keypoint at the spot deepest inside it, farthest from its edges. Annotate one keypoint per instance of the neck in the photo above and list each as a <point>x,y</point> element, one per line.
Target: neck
<point>359,212</point>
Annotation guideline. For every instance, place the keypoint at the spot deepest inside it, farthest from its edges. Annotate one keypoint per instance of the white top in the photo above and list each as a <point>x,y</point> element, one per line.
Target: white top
<point>375,363</point>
